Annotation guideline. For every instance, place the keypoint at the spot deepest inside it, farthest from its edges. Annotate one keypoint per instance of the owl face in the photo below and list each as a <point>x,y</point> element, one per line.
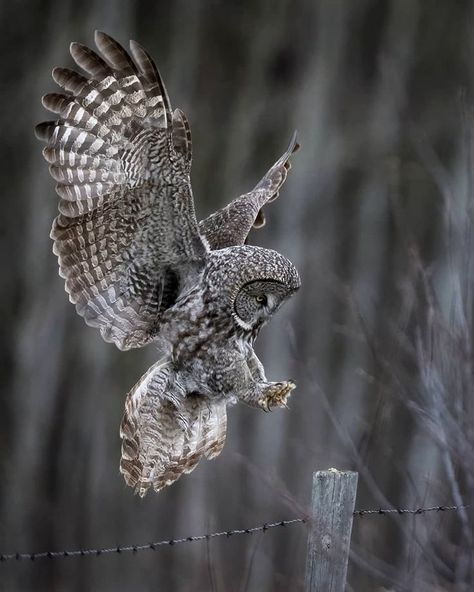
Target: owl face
<point>257,301</point>
<point>247,285</point>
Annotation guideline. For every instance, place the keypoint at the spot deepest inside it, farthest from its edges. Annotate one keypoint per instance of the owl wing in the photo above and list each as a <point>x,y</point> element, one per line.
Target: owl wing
<point>231,225</point>
<point>164,436</point>
<point>126,236</point>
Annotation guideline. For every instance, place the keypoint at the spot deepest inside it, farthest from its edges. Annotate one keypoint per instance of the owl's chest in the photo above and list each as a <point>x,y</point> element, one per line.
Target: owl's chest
<point>222,373</point>
<point>193,332</point>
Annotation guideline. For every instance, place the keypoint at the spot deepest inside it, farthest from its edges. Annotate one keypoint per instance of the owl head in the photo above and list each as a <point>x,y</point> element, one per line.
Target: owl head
<point>258,300</point>
<point>250,284</point>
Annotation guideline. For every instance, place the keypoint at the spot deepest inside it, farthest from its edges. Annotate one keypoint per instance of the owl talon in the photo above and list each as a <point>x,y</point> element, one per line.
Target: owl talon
<point>276,395</point>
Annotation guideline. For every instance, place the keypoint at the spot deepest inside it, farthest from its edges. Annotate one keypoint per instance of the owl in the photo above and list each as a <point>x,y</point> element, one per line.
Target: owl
<point>140,268</point>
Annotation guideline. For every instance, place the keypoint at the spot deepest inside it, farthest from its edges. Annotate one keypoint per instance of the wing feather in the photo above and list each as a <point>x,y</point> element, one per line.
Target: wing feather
<point>126,237</point>
<point>231,225</point>
<point>151,75</point>
<point>88,60</point>
<point>114,53</point>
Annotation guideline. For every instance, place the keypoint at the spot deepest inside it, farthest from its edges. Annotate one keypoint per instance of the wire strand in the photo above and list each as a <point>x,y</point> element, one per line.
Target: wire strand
<point>401,511</point>
<point>147,546</point>
<point>225,533</point>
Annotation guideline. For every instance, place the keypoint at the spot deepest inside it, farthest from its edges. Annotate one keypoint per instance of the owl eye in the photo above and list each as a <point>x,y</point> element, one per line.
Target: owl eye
<point>262,299</point>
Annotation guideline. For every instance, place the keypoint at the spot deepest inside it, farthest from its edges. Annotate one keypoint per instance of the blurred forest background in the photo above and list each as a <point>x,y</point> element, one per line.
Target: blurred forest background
<point>376,214</point>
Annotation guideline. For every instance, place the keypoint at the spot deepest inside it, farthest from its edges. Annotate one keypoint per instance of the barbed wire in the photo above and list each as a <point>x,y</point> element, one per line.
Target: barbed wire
<point>148,546</point>
<point>203,537</point>
<point>401,511</point>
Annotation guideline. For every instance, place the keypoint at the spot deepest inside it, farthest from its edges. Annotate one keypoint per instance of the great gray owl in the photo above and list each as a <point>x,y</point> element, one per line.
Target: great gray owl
<point>139,267</point>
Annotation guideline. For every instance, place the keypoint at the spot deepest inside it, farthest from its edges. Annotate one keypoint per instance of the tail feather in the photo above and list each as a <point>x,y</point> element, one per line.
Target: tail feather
<point>164,436</point>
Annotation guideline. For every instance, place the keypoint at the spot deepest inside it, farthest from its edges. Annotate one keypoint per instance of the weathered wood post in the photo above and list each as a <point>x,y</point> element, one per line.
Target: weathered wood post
<point>332,507</point>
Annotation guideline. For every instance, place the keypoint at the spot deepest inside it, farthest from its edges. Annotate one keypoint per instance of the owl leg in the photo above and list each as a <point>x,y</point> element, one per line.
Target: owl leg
<point>264,394</point>
<point>267,395</point>
<point>256,368</point>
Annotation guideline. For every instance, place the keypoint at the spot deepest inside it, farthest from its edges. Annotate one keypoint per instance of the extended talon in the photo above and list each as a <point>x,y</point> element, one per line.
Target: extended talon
<point>276,395</point>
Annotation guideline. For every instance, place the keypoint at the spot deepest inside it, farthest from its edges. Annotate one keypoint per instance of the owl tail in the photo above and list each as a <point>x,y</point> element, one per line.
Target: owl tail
<point>163,436</point>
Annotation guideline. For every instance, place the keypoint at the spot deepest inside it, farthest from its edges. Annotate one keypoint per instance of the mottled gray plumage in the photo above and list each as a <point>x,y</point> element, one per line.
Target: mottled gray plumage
<point>139,267</point>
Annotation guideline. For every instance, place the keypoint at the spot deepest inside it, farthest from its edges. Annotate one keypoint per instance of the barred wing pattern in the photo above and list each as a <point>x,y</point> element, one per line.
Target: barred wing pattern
<point>126,236</point>
<point>162,438</point>
<point>129,244</point>
<point>231,225</point>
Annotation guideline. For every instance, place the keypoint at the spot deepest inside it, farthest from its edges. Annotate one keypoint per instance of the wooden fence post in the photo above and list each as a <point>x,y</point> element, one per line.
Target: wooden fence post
<point>329,539</point>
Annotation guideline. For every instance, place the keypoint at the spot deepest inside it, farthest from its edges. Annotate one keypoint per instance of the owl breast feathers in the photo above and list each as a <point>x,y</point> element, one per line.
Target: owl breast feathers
<point>140,268</point>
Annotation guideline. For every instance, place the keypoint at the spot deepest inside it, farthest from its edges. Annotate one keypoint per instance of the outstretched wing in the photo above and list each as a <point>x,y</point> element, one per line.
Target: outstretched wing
<point>164,436</point>
<point>126,236</point>
<point>231,225</point>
